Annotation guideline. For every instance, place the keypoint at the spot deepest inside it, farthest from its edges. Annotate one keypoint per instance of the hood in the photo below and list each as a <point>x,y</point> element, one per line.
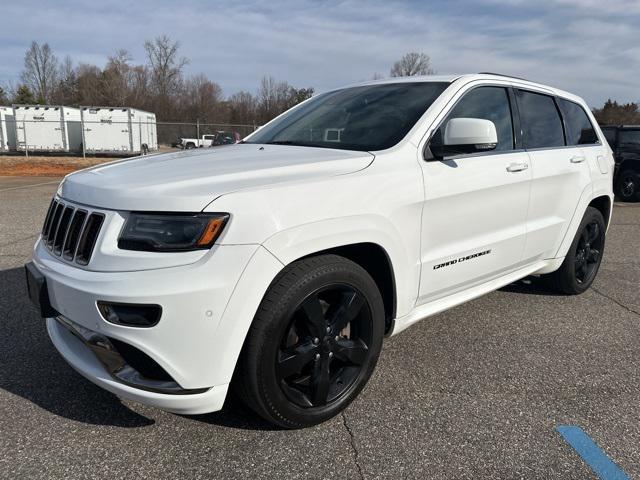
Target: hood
<point>188,181</point>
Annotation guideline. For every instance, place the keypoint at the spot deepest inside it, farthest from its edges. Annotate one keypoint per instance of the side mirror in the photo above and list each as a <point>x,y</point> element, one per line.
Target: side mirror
<point>471,131</point>
<point>464,135</point>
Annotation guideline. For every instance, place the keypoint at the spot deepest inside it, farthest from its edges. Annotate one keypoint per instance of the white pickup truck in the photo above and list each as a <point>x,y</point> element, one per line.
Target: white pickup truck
<point>210,140</point>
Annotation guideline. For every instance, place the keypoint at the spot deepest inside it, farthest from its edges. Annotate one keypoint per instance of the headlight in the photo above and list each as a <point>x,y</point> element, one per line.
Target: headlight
<point>167,232</point>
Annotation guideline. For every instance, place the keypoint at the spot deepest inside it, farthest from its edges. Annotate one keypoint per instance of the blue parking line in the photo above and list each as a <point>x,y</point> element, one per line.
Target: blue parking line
<point>592,455</point>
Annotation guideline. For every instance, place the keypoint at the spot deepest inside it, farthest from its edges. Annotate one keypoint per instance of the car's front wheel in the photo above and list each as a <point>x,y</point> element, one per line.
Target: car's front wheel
<point>314,342</point>
<point>582,262</point>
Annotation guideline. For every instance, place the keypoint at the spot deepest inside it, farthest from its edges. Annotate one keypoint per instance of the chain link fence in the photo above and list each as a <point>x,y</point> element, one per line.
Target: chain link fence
<point>70,136</point>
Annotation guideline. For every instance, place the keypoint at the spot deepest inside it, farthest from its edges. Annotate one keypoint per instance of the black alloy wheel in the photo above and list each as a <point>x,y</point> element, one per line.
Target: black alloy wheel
<point>582,261</point>
<point>313,344</point>
<point>324,349</point>
<point>588,252</point>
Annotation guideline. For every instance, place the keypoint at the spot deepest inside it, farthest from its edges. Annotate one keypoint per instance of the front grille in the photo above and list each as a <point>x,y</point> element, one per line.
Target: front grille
<point>70,232</point>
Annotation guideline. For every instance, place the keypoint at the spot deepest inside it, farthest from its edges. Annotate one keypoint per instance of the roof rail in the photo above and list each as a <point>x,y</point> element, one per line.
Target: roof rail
<point>502,75</point>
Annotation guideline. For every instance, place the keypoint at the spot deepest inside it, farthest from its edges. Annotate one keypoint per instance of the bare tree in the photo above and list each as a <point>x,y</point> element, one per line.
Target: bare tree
<point>272,96</point>
<point>139,95</point>
<point>117,78</point>
<point>275,97</point>
<point>166,66</point>
<point>66,89</point>
<point>201,99</point>
<point>89,78</point>
<point>40,71</point>
<point>412,64</point>
<point>242,108</point>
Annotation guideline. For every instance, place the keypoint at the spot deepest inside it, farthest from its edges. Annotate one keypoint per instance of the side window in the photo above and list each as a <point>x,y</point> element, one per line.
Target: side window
<point>629,138</point>
<point>580,131</point>
<point>487,103</point>
<point>541,123</point>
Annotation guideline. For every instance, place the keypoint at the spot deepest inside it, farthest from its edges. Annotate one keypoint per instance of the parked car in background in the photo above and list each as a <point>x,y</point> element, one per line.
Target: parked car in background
<point>189,143</point>
<point>226,138</point>
<point>279,265</point>
<point>209,140</point>
<point>625,143</point>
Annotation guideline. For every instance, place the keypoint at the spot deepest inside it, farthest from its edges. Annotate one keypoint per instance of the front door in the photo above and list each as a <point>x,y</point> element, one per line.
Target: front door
<point>475,210</point>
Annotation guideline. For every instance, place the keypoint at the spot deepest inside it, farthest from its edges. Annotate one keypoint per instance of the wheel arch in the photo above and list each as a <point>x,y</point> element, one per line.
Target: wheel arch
<point>370,241</point>
<point>603,205</point>
<point>375,260</point>
<point>601,200</point>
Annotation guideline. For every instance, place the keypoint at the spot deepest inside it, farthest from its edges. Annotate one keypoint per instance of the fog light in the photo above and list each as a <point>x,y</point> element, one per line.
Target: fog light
<point>129,314</point>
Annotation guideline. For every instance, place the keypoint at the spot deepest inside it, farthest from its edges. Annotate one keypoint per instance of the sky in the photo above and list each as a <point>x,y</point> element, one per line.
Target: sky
<point>588,47</point>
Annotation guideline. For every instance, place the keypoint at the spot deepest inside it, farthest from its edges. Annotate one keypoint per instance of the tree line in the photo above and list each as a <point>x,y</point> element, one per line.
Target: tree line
<point>614,113</point>
<point>160,85</point>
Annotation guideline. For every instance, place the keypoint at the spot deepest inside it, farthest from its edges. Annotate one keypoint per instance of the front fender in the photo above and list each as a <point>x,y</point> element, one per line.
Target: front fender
<point>303,240</point>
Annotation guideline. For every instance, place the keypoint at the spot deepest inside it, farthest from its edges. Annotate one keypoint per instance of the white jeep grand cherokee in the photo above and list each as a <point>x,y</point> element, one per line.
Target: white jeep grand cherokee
<point>279,265</point>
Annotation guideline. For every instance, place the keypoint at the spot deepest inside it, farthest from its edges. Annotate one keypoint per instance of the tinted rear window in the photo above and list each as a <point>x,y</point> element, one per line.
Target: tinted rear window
<point>580,131</point>
<point>541,123</point>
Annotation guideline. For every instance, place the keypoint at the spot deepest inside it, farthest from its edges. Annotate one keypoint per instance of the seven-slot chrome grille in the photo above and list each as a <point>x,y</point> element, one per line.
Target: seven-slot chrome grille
<point>71,232</point>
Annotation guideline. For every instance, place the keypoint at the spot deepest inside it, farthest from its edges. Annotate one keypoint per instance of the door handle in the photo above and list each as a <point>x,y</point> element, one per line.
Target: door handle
<point>577,159</point>
<point>517,167</point>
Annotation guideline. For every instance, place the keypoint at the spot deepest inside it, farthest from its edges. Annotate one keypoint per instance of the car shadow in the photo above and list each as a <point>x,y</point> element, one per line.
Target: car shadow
<point>31,368</point>
<point>235,414</point>
<point>533,285</point>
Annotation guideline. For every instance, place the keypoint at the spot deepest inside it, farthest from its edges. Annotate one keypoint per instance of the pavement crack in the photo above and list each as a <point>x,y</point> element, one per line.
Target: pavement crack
<point>629,309</point>
<point>352,440</point>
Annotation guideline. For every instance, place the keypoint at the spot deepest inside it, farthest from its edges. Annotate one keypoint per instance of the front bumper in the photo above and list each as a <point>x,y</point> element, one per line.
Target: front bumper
<point>185,342</point>
<point>83,360</point>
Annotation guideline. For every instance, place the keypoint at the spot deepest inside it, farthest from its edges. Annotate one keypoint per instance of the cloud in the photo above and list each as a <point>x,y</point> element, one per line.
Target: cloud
<point>572,44</point>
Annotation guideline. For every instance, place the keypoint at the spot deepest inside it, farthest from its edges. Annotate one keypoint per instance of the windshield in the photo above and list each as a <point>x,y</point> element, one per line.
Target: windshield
<point>373,117</point>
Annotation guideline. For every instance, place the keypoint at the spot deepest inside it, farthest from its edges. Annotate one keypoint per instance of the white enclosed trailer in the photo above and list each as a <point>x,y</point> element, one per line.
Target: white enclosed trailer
<point>118,130</point>
<point>7,130</point>
<point>47,128</point>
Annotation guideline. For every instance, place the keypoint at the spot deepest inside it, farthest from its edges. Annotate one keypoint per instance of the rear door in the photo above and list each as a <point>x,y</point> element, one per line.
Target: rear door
<point>474,216</point>
<point>581,133</point>
<point>560,174</point>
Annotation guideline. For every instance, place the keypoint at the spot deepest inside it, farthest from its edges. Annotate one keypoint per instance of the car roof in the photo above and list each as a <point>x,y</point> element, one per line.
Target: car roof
<point>466,78</point>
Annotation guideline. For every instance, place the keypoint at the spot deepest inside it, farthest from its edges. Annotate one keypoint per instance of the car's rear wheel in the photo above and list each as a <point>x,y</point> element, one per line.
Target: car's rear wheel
<point>628,186</point>
<point>189,146</point>
<point>583,259</point>
<point>314,342</point>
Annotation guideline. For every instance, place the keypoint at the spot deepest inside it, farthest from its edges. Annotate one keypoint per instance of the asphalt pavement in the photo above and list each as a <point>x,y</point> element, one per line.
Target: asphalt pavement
<point>475,392</point>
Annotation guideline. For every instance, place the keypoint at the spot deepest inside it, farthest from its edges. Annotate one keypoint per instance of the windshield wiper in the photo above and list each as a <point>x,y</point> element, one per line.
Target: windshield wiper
<point>301,144</point>
<point>284,142</point>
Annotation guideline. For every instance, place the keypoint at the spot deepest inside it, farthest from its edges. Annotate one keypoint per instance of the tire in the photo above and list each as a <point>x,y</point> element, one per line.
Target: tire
<point>580,266</point>
<point>189,146</point>
<point>627,187</point>
<point>313,344</point>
